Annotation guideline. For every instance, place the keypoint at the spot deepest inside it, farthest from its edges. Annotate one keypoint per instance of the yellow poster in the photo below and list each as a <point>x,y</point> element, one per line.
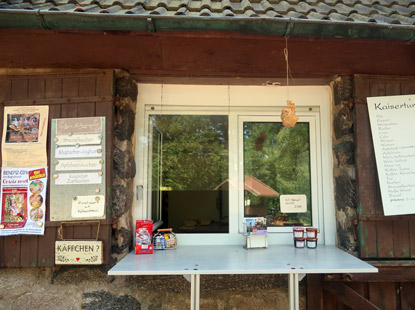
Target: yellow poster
<point>25,129</point>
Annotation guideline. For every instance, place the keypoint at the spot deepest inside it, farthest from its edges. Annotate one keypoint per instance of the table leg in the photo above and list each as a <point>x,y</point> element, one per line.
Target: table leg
<point>194,291</point>
<point>293,292</point>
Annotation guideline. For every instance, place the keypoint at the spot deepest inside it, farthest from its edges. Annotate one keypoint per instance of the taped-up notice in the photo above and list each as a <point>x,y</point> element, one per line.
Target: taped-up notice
<point>25,129</point>
<point>23,201</point>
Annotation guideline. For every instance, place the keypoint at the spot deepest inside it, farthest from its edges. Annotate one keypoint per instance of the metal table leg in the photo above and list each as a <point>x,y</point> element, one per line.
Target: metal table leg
<point>194,291</point>
<point>293,292</point>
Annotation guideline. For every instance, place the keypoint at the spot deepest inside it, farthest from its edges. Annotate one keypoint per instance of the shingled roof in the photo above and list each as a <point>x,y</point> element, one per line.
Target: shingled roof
<point>396,14</point>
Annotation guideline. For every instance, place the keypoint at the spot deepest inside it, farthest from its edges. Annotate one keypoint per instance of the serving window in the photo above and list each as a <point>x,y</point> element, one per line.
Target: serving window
<point>212,156</point>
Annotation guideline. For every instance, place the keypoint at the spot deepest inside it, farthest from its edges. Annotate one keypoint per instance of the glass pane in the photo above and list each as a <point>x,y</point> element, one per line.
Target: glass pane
<point>194,172</point>
<point>276,162</point>
<point>155,143</point>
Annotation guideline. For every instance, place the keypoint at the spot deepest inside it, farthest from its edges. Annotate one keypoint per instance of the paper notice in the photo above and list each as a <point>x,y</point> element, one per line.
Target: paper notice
<point>88,206</point>
<point>25,129</point>
<point>23,201</point>
<point>293,203</point>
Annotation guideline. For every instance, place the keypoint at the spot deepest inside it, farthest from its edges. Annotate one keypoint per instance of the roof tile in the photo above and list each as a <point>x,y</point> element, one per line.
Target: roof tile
<point>404,19</point>
<point>339,17</point>
<point>362,18</point>
<point>24,5</point>
<point>62,8</point>
<point>89,8</point>
<point>317,16</point>
<point>363,9</point>
<point>344,9</point>
<point>325,9</point>
<point>384,19</point>
<point>139,9</point>
<point>405,11</point>
<point>44,6</point>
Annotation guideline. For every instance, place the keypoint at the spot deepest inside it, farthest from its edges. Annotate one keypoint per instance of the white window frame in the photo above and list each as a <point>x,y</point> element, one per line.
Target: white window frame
<point>240,102</point>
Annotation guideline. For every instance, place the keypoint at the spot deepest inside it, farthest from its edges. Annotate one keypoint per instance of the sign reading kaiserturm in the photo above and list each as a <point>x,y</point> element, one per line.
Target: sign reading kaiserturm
<point>393,126</point>
<point>77,167</point>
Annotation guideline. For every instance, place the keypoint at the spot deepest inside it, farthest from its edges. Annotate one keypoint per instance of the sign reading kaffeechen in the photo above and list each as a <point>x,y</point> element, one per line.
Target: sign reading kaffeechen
<point>78,252</point>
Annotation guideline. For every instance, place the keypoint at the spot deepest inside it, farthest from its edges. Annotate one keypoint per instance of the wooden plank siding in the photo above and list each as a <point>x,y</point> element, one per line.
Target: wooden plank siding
<point>68,95</point>
<point>380,237</point>
<point>391,289</point>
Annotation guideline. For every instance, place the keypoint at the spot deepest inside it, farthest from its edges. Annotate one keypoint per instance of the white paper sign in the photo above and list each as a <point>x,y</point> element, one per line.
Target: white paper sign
<point>78,164</point>
<point>77,178</point>
<point>293,203</point>
<point>78,139</point>
<point>78,152</point>
<point>88,206</point>
<point>393,127</point>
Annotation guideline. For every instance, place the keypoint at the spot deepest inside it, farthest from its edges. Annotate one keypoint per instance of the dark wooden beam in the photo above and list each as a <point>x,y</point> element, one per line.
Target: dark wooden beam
<point>212,55</point>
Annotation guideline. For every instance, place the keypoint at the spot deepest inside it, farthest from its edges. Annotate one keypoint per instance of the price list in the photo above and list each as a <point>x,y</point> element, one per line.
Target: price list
<point>393,128</point>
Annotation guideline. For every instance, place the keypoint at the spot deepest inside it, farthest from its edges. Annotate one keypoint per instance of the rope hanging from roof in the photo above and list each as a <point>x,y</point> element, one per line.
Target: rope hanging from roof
<point>288,114</point>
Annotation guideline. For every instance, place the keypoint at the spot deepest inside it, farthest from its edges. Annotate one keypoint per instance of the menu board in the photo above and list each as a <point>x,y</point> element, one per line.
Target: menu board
<point>77,168</point>
<point>393,128</point>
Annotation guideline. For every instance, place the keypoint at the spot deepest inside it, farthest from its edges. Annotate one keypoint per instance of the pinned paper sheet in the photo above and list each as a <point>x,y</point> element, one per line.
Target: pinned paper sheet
<point>25,129</point>
<point>88,206</point>
<point>293,203</point>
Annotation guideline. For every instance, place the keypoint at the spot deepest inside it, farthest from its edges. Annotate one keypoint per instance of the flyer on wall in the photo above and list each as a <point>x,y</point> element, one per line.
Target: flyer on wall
<point>25,129</point>
<point>23,201</point>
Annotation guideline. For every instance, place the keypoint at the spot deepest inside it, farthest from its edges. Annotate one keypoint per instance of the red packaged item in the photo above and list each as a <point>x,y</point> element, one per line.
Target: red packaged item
<point>143,232</point>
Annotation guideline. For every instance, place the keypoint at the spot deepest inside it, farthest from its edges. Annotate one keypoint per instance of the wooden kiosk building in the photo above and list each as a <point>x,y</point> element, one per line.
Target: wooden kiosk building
<point>85,58</point>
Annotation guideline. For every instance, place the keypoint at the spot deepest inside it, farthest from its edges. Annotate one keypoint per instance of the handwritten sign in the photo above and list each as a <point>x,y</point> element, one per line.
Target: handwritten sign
<point>88,206</point>
<point>78,139</point>
<point>77,178</point>
<point>293,203</point>
<point>78,252</point>
<point>68,126</point>
<point>78,164</point>
<point>78,152</point>
<point>393,127</point>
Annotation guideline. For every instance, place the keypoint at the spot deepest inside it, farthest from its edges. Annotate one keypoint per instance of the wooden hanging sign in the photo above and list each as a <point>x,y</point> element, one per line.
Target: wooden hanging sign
<point>79,252</point>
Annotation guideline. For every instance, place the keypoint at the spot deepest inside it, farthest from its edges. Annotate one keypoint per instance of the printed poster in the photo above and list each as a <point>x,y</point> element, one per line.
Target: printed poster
<point>23,201</point>
<point>24,136</point>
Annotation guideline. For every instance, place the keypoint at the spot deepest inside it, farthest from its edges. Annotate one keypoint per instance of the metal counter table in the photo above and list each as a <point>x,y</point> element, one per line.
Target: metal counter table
<point>232,259</point>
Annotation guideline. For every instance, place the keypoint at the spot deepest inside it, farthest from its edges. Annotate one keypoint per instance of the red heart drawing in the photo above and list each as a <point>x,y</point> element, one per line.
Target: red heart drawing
<point>77,259</point>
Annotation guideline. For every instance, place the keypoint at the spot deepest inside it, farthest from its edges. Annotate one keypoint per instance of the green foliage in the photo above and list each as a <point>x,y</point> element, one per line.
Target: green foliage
<point>194,150</point>
<point>279,157</point>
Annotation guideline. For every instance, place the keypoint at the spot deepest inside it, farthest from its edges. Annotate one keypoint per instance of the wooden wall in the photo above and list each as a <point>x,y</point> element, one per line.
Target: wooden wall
<point>391,289</point>
<point>380,236</point>
<point>70,94</point>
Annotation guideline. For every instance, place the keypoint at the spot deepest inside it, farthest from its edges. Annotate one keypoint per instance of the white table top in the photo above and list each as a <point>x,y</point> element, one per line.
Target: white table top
<point>233,259</point>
